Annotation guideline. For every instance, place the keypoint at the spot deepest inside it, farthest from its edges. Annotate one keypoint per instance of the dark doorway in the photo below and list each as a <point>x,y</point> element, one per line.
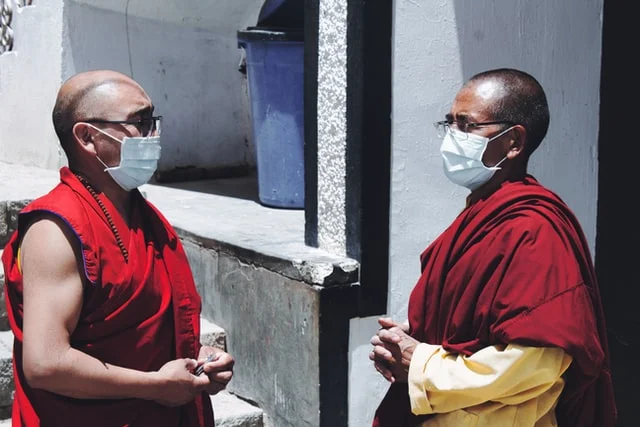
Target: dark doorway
<point>618,231</point>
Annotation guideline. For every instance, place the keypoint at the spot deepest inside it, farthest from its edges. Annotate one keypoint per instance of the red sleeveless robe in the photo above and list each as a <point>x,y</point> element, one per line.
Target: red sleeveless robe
<point>138,314</point>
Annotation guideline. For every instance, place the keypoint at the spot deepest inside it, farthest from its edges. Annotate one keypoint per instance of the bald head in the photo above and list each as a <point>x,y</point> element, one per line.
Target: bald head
<point>516,97</point>
<point>84,96</point>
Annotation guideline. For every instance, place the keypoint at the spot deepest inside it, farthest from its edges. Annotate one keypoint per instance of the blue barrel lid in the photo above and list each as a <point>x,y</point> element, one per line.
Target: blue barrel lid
<point>271,34</point>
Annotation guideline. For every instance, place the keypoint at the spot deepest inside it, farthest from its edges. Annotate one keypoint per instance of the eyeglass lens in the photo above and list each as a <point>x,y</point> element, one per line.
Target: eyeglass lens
<point>150,126</point>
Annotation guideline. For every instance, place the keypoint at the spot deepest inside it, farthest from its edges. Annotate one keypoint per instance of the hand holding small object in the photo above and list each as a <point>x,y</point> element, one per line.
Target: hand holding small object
<point>210,358</point>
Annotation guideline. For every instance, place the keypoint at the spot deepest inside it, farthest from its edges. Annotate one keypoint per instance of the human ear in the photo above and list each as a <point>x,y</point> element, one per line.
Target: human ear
<point>517,138</point>
<point>84,136</point>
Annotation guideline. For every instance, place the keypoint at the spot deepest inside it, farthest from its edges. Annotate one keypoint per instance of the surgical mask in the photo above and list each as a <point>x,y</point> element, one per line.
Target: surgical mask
<point>138,160</point>
<point>462,158</point>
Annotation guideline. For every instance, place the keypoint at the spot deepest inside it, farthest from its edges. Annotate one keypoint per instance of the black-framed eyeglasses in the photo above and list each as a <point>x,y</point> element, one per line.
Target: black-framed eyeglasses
<point>145,125</point>
<point>443,126</point>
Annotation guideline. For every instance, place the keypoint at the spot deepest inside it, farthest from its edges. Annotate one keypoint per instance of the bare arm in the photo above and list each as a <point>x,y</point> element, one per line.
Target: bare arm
<point>53,295</point>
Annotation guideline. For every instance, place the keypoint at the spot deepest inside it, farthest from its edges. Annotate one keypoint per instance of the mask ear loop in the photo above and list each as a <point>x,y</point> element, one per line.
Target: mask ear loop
<point>106,168</point>
<point>107,134</point>
<point>495,167</point>
<point>498,164</point>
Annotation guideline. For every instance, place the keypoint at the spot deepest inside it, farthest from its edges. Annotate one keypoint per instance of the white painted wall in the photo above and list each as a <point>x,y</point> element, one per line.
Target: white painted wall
<point>437,46</point>
<point>29,79</point>
<point>184,54</point>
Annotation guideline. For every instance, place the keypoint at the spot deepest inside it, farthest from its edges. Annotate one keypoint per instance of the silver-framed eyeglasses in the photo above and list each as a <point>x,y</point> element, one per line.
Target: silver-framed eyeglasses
<point>147,126</point>
<point>442,127</point>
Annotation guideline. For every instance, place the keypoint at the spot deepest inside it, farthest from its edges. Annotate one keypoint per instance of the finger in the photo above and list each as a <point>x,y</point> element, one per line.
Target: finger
<point>222,364</point>
<point>201,382</point>
<point>205,357</point>
<point>388,336</point>
<point>215,388</point>
<point>221,377</point>
<point>221,355</point>
<point>397,330</point>
<point>375,340</point>
<point>382,366</point>
<point>384,371</point>
<point>382,354</point>
<point>405,326</point>
<point>386,322</point>
<point>190,364</point>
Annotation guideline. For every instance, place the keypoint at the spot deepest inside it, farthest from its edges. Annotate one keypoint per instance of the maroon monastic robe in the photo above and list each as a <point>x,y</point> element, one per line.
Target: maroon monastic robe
<point>138,314</point>
<point>514,268</point>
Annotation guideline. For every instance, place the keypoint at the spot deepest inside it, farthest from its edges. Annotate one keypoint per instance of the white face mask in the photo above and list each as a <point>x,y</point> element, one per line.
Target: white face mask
<point>138,160</point>
<point>462,158</point>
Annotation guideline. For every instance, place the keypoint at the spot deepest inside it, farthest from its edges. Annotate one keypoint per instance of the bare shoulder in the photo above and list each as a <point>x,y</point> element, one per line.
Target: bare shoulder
<point>49,247</point>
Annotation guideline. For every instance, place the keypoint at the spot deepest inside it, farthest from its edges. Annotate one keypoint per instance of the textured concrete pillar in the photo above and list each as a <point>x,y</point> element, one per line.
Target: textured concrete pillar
<point>348,137</point>
<point>332,126</point>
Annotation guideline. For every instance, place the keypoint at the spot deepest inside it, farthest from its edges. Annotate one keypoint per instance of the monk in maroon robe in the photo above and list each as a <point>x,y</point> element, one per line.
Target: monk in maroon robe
<point>505,325</point>
<point>100,296</point>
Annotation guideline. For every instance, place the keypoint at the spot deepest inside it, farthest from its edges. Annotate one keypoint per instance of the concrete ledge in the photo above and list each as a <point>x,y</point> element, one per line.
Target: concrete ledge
<point>207,212</point>
<point>220,214</point>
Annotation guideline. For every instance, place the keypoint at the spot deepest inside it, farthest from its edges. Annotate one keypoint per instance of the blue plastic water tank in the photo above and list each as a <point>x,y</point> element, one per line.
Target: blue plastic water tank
<point>275,71</point>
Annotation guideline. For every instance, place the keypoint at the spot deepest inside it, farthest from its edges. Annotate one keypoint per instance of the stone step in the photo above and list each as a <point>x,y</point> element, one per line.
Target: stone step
<point>212,334</point>
<point>229,411</point>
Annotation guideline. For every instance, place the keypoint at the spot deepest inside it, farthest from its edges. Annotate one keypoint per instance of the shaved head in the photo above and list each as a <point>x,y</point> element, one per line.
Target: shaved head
<point>514,96</point>
<point>86,95</point>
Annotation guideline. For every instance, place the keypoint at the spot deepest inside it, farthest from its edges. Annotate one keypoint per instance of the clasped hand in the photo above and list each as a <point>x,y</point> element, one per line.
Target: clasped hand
<point>392,350</point>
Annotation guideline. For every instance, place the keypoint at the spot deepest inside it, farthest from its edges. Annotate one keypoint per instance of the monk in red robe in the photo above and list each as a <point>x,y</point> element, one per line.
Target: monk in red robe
<point>505,325</point>
<point>100,296</point>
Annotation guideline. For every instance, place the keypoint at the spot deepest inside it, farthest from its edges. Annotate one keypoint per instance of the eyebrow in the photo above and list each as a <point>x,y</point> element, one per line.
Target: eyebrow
<point>143,111</point>
<point>462,117</point>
